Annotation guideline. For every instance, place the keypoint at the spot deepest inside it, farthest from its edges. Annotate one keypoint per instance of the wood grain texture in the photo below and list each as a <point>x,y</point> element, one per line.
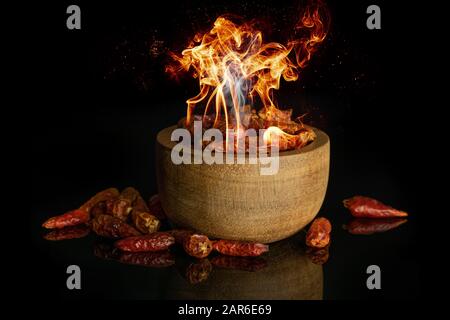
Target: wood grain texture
<point>235,201</point>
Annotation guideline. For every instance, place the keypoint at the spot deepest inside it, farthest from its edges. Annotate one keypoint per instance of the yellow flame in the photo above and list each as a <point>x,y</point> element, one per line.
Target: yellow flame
<point>233,65</point>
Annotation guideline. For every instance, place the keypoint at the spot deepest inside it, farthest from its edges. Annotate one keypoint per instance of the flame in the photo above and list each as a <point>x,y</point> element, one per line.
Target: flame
<point>234,66</point>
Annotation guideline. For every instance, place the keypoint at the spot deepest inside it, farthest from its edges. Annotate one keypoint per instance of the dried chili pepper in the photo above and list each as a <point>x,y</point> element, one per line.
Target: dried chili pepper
<point>318,255</point>
<point>129,193</point>
<point>365,207</point>
<point>318,235</point>
<point>198,271</point>
<point>195,245</point>
<point>158,241</point>
<point>112,227</point>
<point>145,222</point>
<point>366,226</point>
<point>101,196</point>
<point>140,204</point>
<point>240,248</point>
<point>155,207</point>
<point>123,205</point>
<point>76,232</point>
<point>251,264</point>
<point>68,219</point>
<point>121,209</point>
<point>158,259</point>
<point>98,209</point>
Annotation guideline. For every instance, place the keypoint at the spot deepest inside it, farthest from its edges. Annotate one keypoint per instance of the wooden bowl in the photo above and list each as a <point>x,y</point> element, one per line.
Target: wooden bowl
<point>234,201</point>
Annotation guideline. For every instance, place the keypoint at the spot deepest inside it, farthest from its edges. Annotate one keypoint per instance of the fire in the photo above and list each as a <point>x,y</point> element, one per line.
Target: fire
<point>235,67</point>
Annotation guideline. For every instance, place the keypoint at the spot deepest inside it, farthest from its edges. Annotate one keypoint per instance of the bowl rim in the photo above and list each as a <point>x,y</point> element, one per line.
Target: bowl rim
<point>163,139</point>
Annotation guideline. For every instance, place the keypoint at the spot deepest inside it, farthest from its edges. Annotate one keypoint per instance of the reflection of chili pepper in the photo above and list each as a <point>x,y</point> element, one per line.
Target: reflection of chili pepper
<point>239,263</point>
<point>371,226</point>
<point>198,271</point>
<point>68,219</point>
<point>106,251</point>
<point>159,259</point>
<point>157,241</point>
<point>364,207</point>
<point>240,248</point>
<point>318,235</point>
<point>67,233</point>
<point>195,245</point>
<point>112,227</point>
<point>155,207</point>
<point>101,196</point>
<point>318,255</point>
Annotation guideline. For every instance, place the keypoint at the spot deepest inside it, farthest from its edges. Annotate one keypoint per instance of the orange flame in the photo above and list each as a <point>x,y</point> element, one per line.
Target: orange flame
<point>233,66</point>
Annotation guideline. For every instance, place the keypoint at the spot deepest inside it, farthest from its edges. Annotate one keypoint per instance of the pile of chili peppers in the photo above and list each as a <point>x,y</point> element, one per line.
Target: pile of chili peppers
<point>134,224</point>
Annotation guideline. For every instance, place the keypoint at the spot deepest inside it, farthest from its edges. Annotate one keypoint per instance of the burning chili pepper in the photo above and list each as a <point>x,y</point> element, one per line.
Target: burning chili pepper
<point>251,264</point>
<point>240,248</point>
<point>198,271</point>
<point>68,219</point>
<point>79,231</point>
<point>155,207</point>
<point>318,235</point>
<point>158,241</point>
<point>195,245</point>
<point>145,222</point>
<point>318,255</point>
<point>365,207</point>
<point>104,195</point>
<point>370,226</point>
<point>159,259</point>
<point>112,227</point>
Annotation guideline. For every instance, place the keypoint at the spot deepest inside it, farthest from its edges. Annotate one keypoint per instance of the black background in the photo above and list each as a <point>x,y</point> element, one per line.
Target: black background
<point>104,96</point>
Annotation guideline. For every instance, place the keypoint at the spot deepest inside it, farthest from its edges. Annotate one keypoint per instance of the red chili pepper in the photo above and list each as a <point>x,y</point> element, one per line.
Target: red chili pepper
<point>68,233</point>
<point>145,222</point>
<point>251,264</point>
<point>155,207</point>
<point>157,241</point>
<point>195,245</point>
<point>370,226</point>
<point>112,227</point>
<point>318,235</point>
<point>68,219</point>
<point>365,207</point>
<point>101,196</point>
<point>240,248</point>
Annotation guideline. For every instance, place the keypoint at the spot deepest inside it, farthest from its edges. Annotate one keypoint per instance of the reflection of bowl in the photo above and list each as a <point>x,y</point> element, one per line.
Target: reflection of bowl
<point>235,201</point>
<point>288,274</point>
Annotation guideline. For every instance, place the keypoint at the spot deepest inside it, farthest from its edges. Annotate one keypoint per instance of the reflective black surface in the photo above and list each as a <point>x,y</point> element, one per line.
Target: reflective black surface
<point>76,171</point>
<point>105,100</point>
